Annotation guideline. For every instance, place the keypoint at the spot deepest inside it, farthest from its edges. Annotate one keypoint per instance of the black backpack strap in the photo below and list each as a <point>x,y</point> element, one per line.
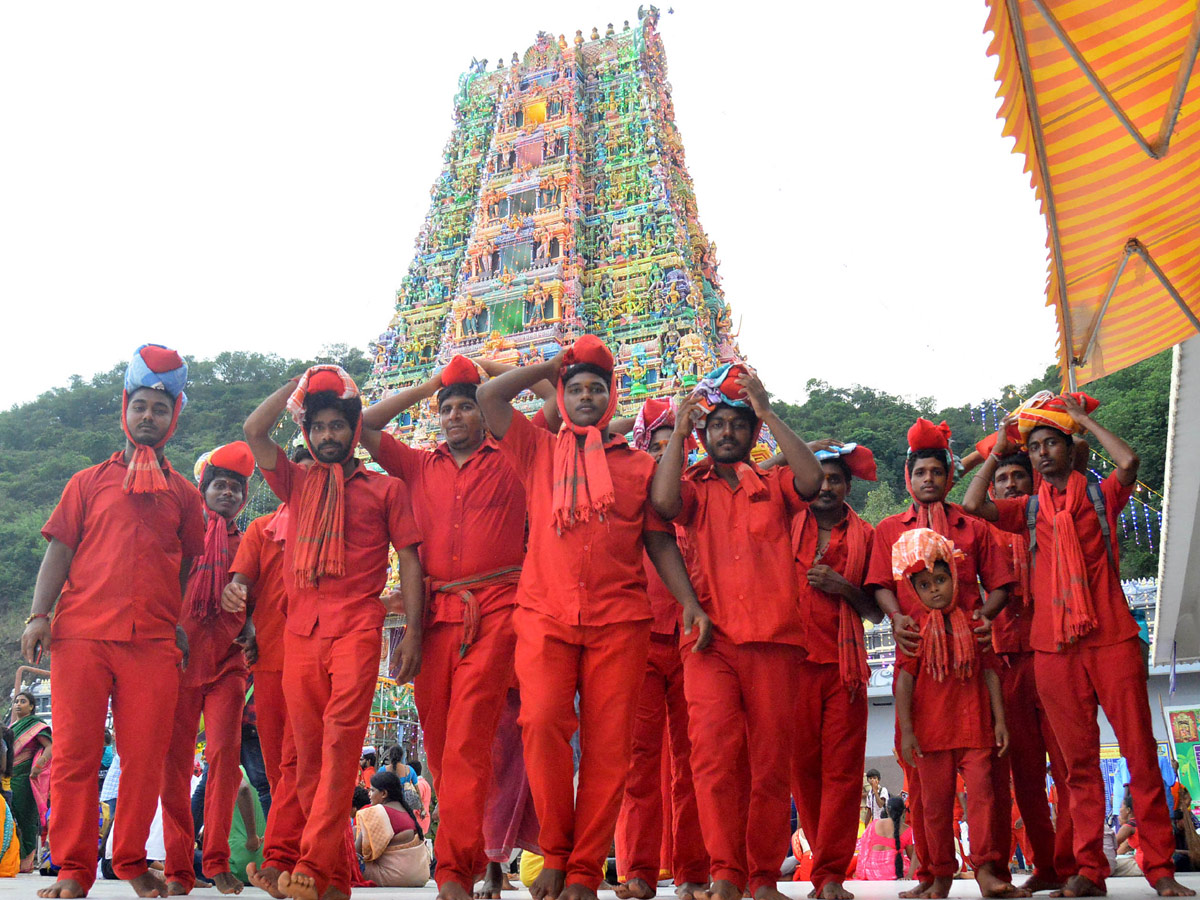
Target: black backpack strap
<point>1096,495</point>
<point>1031,514</point>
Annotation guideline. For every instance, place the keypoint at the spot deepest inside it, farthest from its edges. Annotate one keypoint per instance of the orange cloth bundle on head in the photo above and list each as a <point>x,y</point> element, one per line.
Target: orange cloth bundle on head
<point>1047,409</point>
<point>582,483</point>
<point>320,526</point>
<point>918,550</point>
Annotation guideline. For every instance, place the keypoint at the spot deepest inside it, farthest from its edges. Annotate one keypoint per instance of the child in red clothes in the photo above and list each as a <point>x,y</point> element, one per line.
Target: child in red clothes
<point>950,713</point>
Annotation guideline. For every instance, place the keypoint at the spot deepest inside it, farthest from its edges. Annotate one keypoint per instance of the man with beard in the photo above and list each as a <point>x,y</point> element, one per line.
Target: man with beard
<point>659,812</point>
<point>1085,640</point>
<point>1008,474</point>
<point>582,618</point>
<point>341,519</point>
<point>928,474</point>
<point>832,546</point>
<point>741,689</point>
<point>212,688</point>
<point>116,636</point>
<point>470,504</point>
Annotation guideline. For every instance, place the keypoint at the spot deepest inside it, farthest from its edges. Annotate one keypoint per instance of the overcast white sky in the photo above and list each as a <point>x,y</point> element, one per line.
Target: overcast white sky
<point>233,175</point>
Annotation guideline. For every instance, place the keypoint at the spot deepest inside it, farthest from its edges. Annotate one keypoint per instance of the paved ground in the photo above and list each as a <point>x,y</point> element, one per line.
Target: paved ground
<point>26,885</point>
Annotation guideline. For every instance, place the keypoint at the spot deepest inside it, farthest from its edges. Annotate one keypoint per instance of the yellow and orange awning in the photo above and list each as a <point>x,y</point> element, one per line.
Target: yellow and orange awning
<point>1103,99</point>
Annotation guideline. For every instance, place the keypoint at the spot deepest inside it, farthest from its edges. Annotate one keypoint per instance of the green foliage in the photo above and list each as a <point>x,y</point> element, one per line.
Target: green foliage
<point>45,442</point>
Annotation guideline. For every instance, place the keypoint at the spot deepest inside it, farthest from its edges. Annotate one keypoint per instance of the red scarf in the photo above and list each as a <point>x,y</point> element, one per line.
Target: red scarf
<point>1020,560</point>
<point>932,515</point>
<point>852,648</point>
<point>582,482</point>
<point>210,572</point>
<point>320,523</point>
<point>1072,610</point>
<point>145,474</point>
<point>955,657</point>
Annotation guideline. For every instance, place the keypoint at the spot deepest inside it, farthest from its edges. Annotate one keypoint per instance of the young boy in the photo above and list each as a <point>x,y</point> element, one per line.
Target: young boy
<point>212,687</point>
<point>950,712</point>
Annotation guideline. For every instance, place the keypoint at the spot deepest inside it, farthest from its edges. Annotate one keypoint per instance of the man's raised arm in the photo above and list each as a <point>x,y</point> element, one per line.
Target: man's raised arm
<point>495,397</point>
<point>259,424</point>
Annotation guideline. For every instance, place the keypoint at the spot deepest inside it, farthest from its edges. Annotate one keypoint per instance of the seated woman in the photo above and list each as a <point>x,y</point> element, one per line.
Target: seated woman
<point>387,835</point>
<point>885,848</point>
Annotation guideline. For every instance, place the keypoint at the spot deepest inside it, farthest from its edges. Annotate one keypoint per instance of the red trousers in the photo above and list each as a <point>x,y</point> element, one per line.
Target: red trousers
<point>270,709</point>
<point>916,817</point>
<point>221,703</point>
<point>142,678</point>
<point>605,664</point>
<point>827,767</point>
<point>331,683</point>
<point>459,700</point>
<point>641,837</point>
<point>1030,739</point>
<point>1072,684</point>
<point>741,711</point>
<point>285,821</point>
<point>939,774</point>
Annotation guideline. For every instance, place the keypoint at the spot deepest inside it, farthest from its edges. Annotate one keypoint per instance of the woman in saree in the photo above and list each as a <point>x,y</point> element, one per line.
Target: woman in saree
<point>389,838</point>
<point>884,849</point>
<point>30,774</point>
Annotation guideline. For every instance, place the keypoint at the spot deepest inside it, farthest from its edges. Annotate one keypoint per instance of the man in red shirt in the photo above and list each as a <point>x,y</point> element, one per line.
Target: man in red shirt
<point>470,504</point>
<point>341,519</point>
<point>116,636</point>
<point>741,690</point>
<point>213,686</point>
<point>582,618</point>
<point>1085,640</point>
<point>659,786</point>
<point>928,473</point>
<point>1008,474</point>
<point>832,546</point>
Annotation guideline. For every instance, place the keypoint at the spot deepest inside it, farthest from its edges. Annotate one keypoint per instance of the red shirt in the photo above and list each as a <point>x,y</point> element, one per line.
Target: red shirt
<point>473,518</point>
<point>1114,621</point>
<point>260,559</point>
<point>377,512</point>
<point>820,611</point>
<point>211,650</point>
<point>983,561</point>
<point>123,582</point>
<point>1011,628</point>
<point>668,614</point>
<point>591,574</point>
<point>744,571</point>
<point>954,713</point>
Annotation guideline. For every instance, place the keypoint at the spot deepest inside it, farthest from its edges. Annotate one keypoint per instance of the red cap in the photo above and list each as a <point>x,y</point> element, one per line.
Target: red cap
<point>924,435</point>
<point>588,349</point>
<point>160,359</point>
<point>236,457</point>
<point>325,380</point>
<point>460,370</point>
<point>729,385</point>
<point>861,463</point>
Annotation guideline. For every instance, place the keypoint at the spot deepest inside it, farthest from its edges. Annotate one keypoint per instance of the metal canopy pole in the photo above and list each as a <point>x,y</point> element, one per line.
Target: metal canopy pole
<point>1163,141</point>
<point>1039,143</point>
<point>1141,250</point>
<point>1094,331</point>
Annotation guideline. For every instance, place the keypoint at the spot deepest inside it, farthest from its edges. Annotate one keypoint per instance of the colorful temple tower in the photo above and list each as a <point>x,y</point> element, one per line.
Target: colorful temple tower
<point>564,206</point>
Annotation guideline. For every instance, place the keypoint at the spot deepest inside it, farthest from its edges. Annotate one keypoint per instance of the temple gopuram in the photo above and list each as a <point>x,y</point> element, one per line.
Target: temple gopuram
<point>563,207</point>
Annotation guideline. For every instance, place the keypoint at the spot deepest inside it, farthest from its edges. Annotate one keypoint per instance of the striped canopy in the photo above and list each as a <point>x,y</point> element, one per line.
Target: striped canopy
<point>1103,99</point>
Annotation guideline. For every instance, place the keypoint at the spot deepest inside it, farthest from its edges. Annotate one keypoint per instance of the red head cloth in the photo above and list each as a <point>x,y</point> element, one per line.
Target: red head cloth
<point>655,413</point>
<point>163,369</point>
<point>924,435</point>
<point>858,459</point>
<point>321,512</point>
<point>1016,441</point>
<point>917,550</point>
<point>236,457</point>
<point>210,571</point>
<point>582,482</point>
<point>460,370</point>
<point>1047,409</point>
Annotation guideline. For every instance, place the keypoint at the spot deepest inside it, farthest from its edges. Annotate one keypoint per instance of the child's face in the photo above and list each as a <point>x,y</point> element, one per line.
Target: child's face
<point>934,587</point>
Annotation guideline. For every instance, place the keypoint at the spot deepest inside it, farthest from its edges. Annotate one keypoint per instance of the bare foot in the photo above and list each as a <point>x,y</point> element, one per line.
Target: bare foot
<point>1079,886</point>
<point>577,892</point>
<point>992,886</point>
<point>938,888</point>
<point>689,890</point>
<point>298,886</point>
<point>720,890</point>
<point>833,890</point>
<point>332,893</point>
<point>227,884</point>
<point>177,889</point>
<point>148,884</point>
<point>918,891</point>
<point>494,881</point>
<point>64,887</point>
<point>636,887</point>
<point>452,890</point>
<point>770,892</point>
<point>1169,887</point>
<point>548,885</point>
<point>1035,883</point>
<point>265,879</point>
